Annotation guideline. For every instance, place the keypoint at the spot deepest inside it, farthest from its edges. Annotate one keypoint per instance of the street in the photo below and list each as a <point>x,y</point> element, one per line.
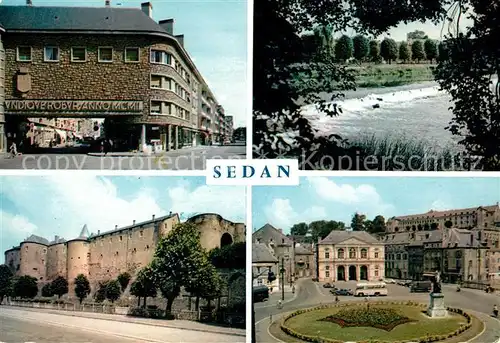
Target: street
<point>17,325</point>
<point>311,293</point>
<point>183,159</point>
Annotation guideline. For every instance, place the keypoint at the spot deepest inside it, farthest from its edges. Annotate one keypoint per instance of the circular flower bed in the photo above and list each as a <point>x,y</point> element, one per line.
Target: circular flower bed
<point>380,318</point>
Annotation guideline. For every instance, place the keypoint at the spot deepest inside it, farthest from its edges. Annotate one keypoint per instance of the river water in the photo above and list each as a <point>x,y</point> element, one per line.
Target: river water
<point>417,112</point>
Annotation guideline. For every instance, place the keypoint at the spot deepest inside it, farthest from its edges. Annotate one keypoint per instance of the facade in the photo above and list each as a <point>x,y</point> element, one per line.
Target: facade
<point>304,260</point>
<point>263,262</point>
<point>350,255</point>
<point>103,256</point>
<point>482,217</point>
<point>115,64</point>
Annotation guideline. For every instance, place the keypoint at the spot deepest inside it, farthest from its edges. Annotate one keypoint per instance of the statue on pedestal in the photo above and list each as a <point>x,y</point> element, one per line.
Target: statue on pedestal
<point>436,283</point>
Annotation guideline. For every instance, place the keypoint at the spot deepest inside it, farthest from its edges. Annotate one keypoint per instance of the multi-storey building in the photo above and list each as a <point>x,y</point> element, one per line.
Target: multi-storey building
<point>304,260</point>
<point>112,63</point>
<point>482,217</point>
<point>103,256</point>
<point>350,255</point>
<point>263,262</point>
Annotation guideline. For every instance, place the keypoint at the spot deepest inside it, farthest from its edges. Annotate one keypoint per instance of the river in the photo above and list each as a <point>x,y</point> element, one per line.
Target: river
<point>416,112</point>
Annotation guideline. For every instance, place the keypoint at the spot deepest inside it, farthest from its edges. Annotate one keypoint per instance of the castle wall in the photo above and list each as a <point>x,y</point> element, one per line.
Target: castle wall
<point>213,226</point>
<point>56,261</point>
<point>13,260</point>
<point>77,261</point>
<point>33,257</point>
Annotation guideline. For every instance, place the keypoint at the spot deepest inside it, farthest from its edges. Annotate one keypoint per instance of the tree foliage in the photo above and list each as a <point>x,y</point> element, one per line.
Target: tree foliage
<point>300,229</point>
<point>416,35</point>
<point>417,51</point>
<point>389,49</point>
<point>144,286</point>
<point>431,49</point>
<point>6,279</point>
<point>59,286</point>
<point>358,222</point>
<point>47,290</point>
<point>442,51</point>
<point>100,293</point>
<point>113,290</point>
<point>404,52</point>
<point>375,51</point>
<point>124,279</point>
<point>322,228</point>
<point>26,287</point>
<point>231,256</point>
<point>448,224</point>
<point>377,225</point>
<point>344,48</point>
<point>361,47</point>
<point>82,287</point>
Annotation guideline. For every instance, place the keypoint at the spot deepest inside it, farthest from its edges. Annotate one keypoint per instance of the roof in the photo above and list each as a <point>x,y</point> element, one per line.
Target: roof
<point>301,250</point>
<point>337,237</point>
<point>270,234</point>
<point>445,213</point>
<point>42,18</point>
<point>85,232</point>
<point>262,253</point>
<point>36,239</point>
<point>448,238</point>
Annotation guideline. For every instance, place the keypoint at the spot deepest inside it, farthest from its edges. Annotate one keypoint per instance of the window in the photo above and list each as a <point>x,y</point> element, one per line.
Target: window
<point>352,253</point>
<point>327,267</point>
<point>141,233</point>
<point>376,270</point>
<point>78,54</point>
<point>121,238</point>
<point>131,54</point>
<point>156,107</point>
<point>364,253</point>
<point>327,253</point>
<point>156,81</point>
<point>327,274</point>
<point>105,54</point>
<point>376,254</point>
<point>340,253</point>
<point>24,54</point>
<point>51,54</point>
<point>162,57</point>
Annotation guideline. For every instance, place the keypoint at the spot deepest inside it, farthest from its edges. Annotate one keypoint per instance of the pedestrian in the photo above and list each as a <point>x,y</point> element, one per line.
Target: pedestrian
<point>337,299</point>
<point>495,311</point>
<point>293,289</point>
<point>110,145</point>
<point>13,149</point>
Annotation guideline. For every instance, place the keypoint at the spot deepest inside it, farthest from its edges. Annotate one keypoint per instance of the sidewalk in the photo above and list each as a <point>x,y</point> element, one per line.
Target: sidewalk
<point>175,324</point>
<point>275,296</point>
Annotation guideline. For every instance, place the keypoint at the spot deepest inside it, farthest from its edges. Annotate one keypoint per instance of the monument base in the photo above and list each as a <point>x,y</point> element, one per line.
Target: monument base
<point>436,307</point>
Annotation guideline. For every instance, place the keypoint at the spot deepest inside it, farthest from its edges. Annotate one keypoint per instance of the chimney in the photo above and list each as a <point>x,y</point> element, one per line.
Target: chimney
<point>56,238</point>
<point>167,25</point>
<point>116,227</point>
<point>133,222</point>
<point>98,232</point>
<point>29,3</point>
<point>180,39</point>
<point>147,8</point>
<point>107,3</point>
<point>153,217</point>
<point>170,213</point>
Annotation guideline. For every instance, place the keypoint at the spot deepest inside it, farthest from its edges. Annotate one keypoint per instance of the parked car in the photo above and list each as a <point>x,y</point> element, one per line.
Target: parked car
<point>420,286</point>
<point>392,281</point>
<point>344,291</point>
<point>328,285</point>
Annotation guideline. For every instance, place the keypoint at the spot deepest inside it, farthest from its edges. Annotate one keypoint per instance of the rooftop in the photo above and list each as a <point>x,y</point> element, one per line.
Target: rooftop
<point>262,253</point>
<point>337,237</point>
<point>433,213</point>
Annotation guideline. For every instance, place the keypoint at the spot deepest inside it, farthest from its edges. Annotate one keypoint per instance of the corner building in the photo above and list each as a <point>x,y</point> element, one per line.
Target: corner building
<point>103,256</point>
<point>115,64</point>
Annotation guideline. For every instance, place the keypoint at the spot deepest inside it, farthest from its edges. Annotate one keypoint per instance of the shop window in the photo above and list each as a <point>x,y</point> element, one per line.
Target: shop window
<point>51,54</point>
<point>105,54</point>
<point>131,54</point>
<point>24,54</point>
<point>78,54</point>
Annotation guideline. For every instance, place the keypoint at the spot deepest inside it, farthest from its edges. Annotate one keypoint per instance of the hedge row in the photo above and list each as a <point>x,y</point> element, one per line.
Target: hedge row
<point>426,339</point>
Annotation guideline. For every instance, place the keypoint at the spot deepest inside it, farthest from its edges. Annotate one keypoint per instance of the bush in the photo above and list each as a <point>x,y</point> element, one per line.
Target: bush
<point>154,313</point>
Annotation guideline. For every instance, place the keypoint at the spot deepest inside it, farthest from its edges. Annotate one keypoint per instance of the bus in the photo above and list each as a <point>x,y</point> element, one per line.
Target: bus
<point>260,293</point>
<point>370,289</point>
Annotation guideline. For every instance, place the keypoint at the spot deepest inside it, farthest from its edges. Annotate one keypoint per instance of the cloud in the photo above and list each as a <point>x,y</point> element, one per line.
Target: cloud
<point>282,215</point>
<point>440,205</point>
<point>19,227</point>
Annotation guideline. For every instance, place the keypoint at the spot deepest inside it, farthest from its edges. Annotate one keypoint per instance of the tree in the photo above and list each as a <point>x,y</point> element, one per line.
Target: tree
<point>59,286</point>
<point>361,47</point>
<point>113,290</point>
<point>389,49</point>
<point>415,35</point>
<point>123,280</point>
<point>377,225</point>
<point>299,229</point>
<point>240,134</point>
<point>322,228</point>
<point>434,226</point>
<point>143,286</point>
<point>344,48</point>
<point>431,49</point>
<point>177,259</point>
<point>26,287</point>
<point>325,43</point>
<point>6,279</point>
<point>100,294</point>
<point>442,52</point>
<point>404,52</point>
<point>448,224</point>
<point>82,287</point>
<point>47,290</point>
<point>417,51</point>
<point>374,51</point>
<point>358,222</point>
<point>229,257</point>
<point>205,283</point>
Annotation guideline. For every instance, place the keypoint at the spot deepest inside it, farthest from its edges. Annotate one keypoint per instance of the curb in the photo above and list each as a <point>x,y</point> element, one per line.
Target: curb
<point>131,320</point>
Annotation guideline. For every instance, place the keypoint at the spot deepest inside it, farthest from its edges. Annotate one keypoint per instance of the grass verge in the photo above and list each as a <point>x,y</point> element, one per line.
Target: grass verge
<point>389,75</point>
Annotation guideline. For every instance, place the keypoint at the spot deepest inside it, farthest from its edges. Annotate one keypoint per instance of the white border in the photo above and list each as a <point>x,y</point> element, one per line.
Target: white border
<point>395,174</point>
<point>248,271</point>
<point>249,108</point>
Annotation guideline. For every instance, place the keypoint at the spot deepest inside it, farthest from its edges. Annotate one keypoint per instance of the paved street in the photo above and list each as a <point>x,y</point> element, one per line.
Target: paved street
<point>17,325</point>
<point>182,159</point>
<point>312,293</point>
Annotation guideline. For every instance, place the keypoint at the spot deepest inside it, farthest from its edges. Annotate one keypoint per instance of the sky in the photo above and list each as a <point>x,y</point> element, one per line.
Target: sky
<point>62,204</point>
<point>338,198</point>
<point>215,37</point>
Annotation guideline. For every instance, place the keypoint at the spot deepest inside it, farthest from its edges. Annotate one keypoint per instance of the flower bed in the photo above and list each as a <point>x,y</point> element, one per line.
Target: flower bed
<point>380,318</point>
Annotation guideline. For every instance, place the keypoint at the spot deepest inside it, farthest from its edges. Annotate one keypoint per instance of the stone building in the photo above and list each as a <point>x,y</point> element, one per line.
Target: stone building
<point>482,217</point>
<point>304,260</point>
<point>103,256</point>
<point>107,62</point>
<point>263,262</point>
<point>350,255</point>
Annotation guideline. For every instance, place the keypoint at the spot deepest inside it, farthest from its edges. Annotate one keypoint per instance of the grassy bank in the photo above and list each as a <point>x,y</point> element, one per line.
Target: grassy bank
<point>387,75</point>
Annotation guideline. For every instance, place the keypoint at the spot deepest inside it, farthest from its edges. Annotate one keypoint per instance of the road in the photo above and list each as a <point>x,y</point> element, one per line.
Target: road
<point>17,325</point>
<point>183,159</point>
<point>312,293</point>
